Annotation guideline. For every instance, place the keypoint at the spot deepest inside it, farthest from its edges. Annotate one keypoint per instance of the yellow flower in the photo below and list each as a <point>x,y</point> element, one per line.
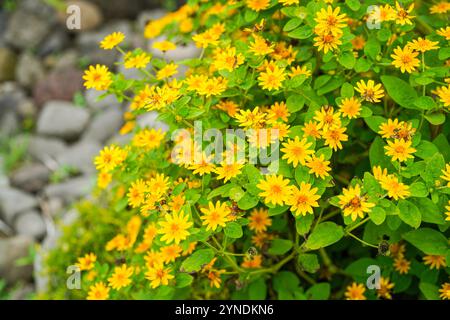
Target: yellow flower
<point>170,253</point>
<point>119,243</point>
<point>148,139</point>
<point>444,95</point>
<point>327,42</point>
<point>98,77</point>
<point>303,199</point>
<point>260,46</point>
<point>259,220</point>
<point>229,106</point>
<point>400,150</point>
<point>395,189</point>
<point>289,2</point>
<point>388,129</point>
<point>215,215</point>
<point>251,118</point>
<point>296,71</point>
<point>150,232</point>
<point>405,59</point>
<point>252,262</point>
<point>445,291</point>
<point>385,288</point>
<point>297,151</point>
<point>186,25</point>
<point>445,32</point>
<point>121,277</point>
<point>402,265</point>
<point>214,278</point>
<point>319,166</point>
<point>447,213</point>
<point>213,86</point>
<point>227,171</point>
<point>435,261</point>
<point>109,158</point>
<point>136,192</point>
<point>258,5</point>
<point>103,179</point>
<point>271,78</point>
<point>334,136</point>
<point>355,291</point>
<point>326,118</point>
<point>164,45</point>
<point>403,16</point>
<point>350,107</point>
<point>227,59</point>
<point>370,92</point>
<point>112,40</point>
<point>167,71</point>
<point>423,45</point>
<point>205,39</point>
<point>138,61</point>
<point>98,291</point>
<point>329,21</point>
<point>379,173</point>
<point>158,276</point>
<point>278,111</point>
<point>397,250</point>
<point>202,166</point>
<point>441,7</point>
<point>353,204</point>
<point>358,43</point>
<point>386,13</point>
<point>275,189</point>
<point>311,129</point>
<point>175,227</point>
<point>87,262</point>
<point>159,184</point>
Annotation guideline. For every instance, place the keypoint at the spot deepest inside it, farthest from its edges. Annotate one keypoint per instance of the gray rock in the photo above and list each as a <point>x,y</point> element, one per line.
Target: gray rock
<point>9,124</point>
<point>62,120</point>
<point>8,62</point>
<point>30,224</point>
<point>55,42</point>
<point>91,96</point>
<point>13,202</point>
<point>29,70</point>
<point>26,109</point>
<point>22,293</point>
<point>31,178</point>
<point>12,249</point>
<point>149,120</point>
<point>53,206</point>
<point>26,30</point>
<point>80,155</point>
<point>44,148</point>
<point>104,125</point>
<point>65,60</point>
<point>120,139</point>
<point>39,8</point>
<point>70,190</point>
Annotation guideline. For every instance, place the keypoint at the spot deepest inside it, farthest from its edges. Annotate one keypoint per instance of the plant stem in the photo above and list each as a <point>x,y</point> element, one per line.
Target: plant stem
<point>362,241</point>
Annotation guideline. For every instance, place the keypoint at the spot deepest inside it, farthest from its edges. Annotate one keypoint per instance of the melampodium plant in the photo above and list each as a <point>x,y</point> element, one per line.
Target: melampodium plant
<point>347,101</point>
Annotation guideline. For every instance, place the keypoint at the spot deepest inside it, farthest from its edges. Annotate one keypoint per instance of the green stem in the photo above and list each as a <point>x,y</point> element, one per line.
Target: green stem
<point>362,241</point>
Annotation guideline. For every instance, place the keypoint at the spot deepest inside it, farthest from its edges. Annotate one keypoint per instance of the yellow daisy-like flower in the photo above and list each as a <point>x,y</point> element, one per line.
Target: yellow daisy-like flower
<point>289,2</point>
<point>112,40</point>
<point>311,129</point>
<point>159,184</point>
<point>327,42</point>
<point>164,45</point>
<point>326,118</point>
<point>136,193</point>
<point>334,137</point>
<point>318,166</point>
<point>98,291</point>
<point>405,59</point>
<point>158,275</point>
<point>355,291</point>
<point>329,21</point>
<point>434,261</point>
<point>202,166</point>
<point>251,118</point>
<point>441,7</point>
<point>303,199</point>
<point>278,111</point>
<point>388,129</point>
<point>206,39</point>
<point>121,277</point>
<point>444,291</point>
<point>353,204</point>
<point>260,46</point>
<point>229,106</point>
<point>87,262</point>
<point>259,220</point>
<point>379,173</point>
<point>403,15</point>
<point>109,158</point>
<point>423,45</point>
<point>170,253</point>
<point>446,174</point>
<point>275,189</point>
<point>370,91</point>
<point>148,139</point>
<point>395,189</point>
<point>385,288</point>
<point>138,61</point>
<point>402,265</point>
<point>227,171</point>
<point>350,107</point>
<point>444,95</point>
<point>447,213</point>
<point>400,150</point>
<point>213,86</point>
<point>272,78</point>
<point>445,32</point>
<point>103,179</point>
<point>297,151</point>
<point>227,59</point>
<point>298,70</point>
<point>258,5</point>
<point>167,71</point>
<point>98,77</point>
<point>175,227</point>
<point>215,215</point>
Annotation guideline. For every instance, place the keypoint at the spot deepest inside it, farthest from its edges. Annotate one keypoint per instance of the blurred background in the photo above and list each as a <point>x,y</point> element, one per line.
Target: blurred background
<point>50,126</point>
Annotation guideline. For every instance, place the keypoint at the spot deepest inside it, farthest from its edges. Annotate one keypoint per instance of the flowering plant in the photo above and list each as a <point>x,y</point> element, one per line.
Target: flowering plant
<point>330,157</point>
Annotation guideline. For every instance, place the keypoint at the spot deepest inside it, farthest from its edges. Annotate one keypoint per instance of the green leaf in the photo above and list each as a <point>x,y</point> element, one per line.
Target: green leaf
<point>443,146</point>
<point>430,291</point>
<point>372,48</point>
<point>197,260</point>
<point>295,103</point>
<point>430,211</point>
<point>233,230</point>
<point>183,280</point>
<point>425,103</point>
<point>319,291</point>
<point>277,210</point>
<point>303,224</point>
<point>347,59</point>
<point>425,149</point>
<point>280,246</point>
<point>292,24</point>
<point>444,53</point>
<point>400,91</point>
<point>409,213</point>
<point>308,262</point>
<point>377,215</point>
<point>248,201</point>
<point>257,290</point>
<point>435,118</point>
<point>302,32</point>
<point>250,15</point>
<point>347,90</point>
<point>433,169</point>
<point>325,234</point>
<point>418,189</point>
<point>374,122</point>
<point>355,5</point>
<point>429,241</point>
<point>301,174</point>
